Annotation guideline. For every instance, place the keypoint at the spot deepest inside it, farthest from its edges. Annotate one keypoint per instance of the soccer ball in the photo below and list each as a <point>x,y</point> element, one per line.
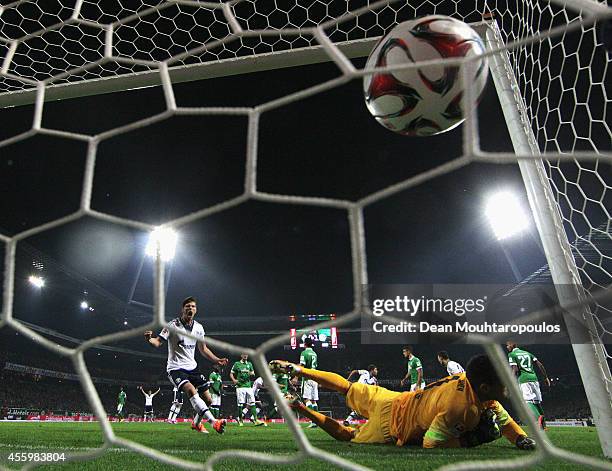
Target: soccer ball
<point>426,100</point>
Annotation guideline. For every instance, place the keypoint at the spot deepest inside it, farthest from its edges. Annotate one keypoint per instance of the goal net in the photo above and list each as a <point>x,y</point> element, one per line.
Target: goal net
<point>551,70</point>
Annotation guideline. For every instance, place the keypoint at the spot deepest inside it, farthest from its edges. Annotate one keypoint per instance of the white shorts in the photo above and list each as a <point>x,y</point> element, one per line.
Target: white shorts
<point>245,396</point>
<point>215,399</point>
<point>414,386</point>
<point>531,392</point>
<point>310,390</point>
<point>119,408</point>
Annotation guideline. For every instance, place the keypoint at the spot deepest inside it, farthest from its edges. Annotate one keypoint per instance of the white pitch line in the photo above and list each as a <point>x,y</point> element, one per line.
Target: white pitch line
<point>61,448</point>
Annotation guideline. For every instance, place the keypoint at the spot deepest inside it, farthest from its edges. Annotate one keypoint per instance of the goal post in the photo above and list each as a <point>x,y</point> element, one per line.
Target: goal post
<point>588,349</point>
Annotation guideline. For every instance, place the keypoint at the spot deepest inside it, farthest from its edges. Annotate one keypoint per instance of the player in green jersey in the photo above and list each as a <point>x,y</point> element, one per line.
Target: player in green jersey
<point>283,382</point>
<point>282,379</point>
<point>241,375</point>
<point>215,390</point>
<point>522,363</point>
<point>310,388</point>
<point>414,370</point>
<point>121,404</point>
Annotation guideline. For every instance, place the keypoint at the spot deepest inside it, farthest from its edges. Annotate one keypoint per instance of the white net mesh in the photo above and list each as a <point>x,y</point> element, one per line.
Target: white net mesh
<point>565,87</point>
<point>561,74</point>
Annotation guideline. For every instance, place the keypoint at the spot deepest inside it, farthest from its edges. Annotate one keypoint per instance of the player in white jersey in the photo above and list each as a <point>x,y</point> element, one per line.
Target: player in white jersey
<point>257,385</point>
<point>182,367</point>
<point>452,367</point>
<point>368,376</point>
<point>148,409</point>
<point>175,408</point>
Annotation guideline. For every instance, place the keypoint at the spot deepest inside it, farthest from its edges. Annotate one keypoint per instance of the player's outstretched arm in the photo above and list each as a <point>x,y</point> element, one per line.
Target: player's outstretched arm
<point>155,341</point>
<point>511,430</point>
<point>478,428</point>
<point>441,433</point>
<point>543,371</point>
<point>419,378</point>
<point>438,434</point>
<point>351,374</point>
<point>205,351</point>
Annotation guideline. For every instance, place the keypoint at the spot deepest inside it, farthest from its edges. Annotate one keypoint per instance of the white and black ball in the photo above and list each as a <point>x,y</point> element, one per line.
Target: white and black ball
<point>423,100</point>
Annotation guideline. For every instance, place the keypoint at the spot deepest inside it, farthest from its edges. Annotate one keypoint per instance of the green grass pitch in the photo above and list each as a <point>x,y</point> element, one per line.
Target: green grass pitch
<point>179,440</point>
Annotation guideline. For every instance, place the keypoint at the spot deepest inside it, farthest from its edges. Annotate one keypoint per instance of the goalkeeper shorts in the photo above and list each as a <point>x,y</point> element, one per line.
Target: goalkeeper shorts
<point>373,403</point>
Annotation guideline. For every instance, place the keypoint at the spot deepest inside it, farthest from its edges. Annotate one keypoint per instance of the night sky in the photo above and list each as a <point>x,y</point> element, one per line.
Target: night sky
<point>258,261</point>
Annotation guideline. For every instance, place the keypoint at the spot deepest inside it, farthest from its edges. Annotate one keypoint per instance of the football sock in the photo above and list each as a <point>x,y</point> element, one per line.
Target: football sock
<point>326,379</point>
<point>254,413</point>
<point>335,429</point>
<point>534,409</point>
<point>201,410</point>
<point>541,409</point>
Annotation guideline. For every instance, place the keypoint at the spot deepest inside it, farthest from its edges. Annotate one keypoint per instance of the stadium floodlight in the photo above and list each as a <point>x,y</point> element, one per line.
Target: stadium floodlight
<point>167,238</point>
<point>36,281</point>
<point>505,214</point>
<point>84,305</point>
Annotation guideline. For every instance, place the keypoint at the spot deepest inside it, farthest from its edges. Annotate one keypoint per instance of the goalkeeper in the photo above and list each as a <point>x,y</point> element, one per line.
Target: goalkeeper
<point>456,411</point>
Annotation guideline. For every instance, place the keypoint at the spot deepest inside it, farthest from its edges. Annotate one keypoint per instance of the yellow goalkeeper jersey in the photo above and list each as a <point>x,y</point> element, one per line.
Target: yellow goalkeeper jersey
<point>439,414</point>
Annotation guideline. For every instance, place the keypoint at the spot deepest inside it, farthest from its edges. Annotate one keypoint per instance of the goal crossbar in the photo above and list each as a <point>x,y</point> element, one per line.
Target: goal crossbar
<point>206,70</point>
<point>189,73</point>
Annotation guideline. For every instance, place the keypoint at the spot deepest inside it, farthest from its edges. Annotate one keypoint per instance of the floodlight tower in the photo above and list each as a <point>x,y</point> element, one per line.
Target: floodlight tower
<point>166,238</point>
<point>36,281</point>
<point>507,219</point>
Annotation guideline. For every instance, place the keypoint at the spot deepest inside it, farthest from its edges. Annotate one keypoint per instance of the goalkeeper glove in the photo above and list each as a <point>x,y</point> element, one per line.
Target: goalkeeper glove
<point>525,443</point>
<point>486,431</point>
